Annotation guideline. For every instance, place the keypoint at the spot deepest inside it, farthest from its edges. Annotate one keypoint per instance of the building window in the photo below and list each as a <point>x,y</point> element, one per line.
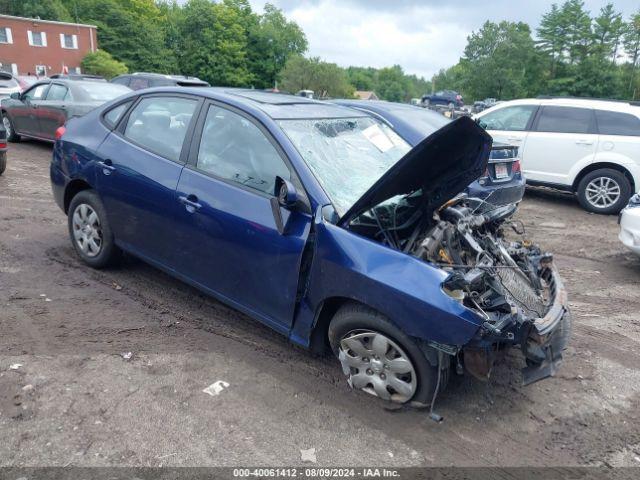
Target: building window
<point>41,70</point>
<point>69,41</point>
<point>37,39</point>
<point>5,35</point>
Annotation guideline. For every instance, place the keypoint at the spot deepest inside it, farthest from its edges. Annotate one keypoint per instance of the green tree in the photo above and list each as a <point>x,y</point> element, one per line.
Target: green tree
<point>393,85</point>
<point>608,29</point>
<point>500,60</point>
<point>325,79</point>
<point>272,41</point>
<point>102,63</point>
<point>631,41</point>
<point>46,10</point>
<point>132,30</point>
<point>213,41</point>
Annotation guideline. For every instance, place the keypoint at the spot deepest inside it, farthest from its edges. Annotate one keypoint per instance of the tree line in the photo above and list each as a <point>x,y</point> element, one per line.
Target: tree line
<point>227,43</point>
<point>572,54</point>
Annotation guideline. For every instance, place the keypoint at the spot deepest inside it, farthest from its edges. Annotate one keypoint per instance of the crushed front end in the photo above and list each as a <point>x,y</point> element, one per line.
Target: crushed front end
<point>507,280</point>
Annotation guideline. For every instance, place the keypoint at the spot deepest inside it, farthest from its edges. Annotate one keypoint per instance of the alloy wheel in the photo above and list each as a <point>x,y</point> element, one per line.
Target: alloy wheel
<point>377,365</point>
<point>602,192</point>
<point>7,125</point>
<point>87,232</point>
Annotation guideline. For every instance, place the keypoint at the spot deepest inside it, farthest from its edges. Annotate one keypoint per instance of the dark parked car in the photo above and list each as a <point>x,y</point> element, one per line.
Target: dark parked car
<point>48,104</point>
<point>138,81</point>
<point>443,97</point>
<point>3,149</point>
<point>319,221</point>
<point>502,183</point>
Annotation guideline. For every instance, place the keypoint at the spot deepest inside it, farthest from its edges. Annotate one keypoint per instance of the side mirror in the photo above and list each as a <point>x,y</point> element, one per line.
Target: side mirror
<point>285,197</point>
<point>286,193</point>
<point>15,96</point>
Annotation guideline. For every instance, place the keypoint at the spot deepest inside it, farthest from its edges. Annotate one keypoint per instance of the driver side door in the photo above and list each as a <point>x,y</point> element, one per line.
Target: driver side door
<point>230,241</point>
<point>24,112</point>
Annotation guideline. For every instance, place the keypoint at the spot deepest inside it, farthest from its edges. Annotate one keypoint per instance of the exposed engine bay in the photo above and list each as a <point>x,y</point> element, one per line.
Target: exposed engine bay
<point>494,270</point>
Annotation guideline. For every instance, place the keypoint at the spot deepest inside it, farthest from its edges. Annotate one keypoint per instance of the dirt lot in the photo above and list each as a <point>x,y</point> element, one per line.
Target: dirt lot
<point>76,401</point>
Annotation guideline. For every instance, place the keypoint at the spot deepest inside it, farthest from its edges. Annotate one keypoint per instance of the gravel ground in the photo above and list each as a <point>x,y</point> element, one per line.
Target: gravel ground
<point>74,399</point>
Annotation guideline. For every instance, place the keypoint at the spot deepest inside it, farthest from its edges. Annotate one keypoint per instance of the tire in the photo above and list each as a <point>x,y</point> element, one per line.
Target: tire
<point>427,102</point>
<point>609,179</point>
<point>93,241</point>
<point>355,322</point>
<point>3,162</point>
<point>12,136</point>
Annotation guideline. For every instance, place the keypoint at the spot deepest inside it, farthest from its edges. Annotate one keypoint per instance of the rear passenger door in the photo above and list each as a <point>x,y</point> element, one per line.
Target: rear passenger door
<point>619,139</point>
<point>137,178</point>
<point>52,110</point>
<point>562,142</point>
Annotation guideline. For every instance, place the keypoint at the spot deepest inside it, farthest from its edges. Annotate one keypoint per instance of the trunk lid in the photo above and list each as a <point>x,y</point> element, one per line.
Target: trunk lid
<point>442,165</point>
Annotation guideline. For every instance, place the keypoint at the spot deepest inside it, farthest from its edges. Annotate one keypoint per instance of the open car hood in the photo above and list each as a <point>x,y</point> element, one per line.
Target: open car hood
<point>442,165</point>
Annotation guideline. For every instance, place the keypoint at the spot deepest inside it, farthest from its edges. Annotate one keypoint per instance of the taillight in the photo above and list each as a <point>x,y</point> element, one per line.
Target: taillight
<point>515,167</point>
<point>3,145</point>
<point>59,132</point>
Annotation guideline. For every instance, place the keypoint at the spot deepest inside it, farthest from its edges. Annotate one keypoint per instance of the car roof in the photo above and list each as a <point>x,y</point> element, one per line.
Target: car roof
<point>612,105</point>
<point>278,106</point>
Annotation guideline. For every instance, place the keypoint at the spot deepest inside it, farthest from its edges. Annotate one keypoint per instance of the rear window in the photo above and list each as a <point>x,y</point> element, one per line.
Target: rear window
<point>103,92</point>
<point>565,120</point>
<point>617,123</point>
<point>8,82</point>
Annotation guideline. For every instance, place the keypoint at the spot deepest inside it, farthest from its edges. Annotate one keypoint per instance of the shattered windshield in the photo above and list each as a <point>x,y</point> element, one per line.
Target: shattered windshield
<point>347,155</point>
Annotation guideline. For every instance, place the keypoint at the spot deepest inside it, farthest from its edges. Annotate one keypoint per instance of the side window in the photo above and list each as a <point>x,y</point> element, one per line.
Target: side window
<point>121,81</point>
<point>234,148</point>
<point>139,83</point>
<point>37,92</point>
<point>513,119</point>
<point>617,123</point>
<point>57,92</point>
<point>113,116</point>
<point>160,124</point>
<point>565,120</point>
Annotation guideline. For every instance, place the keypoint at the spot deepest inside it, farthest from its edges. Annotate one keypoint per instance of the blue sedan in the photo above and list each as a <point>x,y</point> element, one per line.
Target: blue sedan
<point>319,221</point>
<point>502,183</point>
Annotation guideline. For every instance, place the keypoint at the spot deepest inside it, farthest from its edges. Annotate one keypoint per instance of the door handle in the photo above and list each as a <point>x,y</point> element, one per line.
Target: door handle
<point>584,142</point>
<point>514,139</point>
<point>190,202</point>
<point>107,167</point>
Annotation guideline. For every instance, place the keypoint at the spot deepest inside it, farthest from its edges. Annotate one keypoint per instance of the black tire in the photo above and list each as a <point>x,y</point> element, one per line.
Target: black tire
<point>108,254</point>
<point>616,176</point>
<point>12,136</point>
<point>355,317</point>
<point>3,162</point>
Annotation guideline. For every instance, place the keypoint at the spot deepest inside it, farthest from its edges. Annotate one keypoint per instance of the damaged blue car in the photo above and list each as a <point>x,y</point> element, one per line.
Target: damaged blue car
<point>321,222</point>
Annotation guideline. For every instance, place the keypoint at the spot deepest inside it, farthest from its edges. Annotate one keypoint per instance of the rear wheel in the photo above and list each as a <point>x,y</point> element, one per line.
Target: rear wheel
<point>380,359</point>
<point>604,191</point>
<point>3,162</point>
<point>12,136</point>
<point>90,232</point>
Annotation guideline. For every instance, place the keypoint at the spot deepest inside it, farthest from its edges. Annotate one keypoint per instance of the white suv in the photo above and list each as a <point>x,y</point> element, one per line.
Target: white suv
<point>589,147</point>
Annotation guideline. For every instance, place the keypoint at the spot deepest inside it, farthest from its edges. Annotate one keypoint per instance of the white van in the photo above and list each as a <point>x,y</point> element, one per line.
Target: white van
<point>589,147</point>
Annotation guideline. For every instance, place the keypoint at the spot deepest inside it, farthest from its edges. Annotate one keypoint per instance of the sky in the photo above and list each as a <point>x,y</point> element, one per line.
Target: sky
<point>421,36</point>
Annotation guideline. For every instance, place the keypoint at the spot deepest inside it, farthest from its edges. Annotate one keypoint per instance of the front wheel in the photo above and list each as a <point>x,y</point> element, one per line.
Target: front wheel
<point>90,232</point>
<point>380,359</point>
<point>12,136</point>
<point>605,191</point>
